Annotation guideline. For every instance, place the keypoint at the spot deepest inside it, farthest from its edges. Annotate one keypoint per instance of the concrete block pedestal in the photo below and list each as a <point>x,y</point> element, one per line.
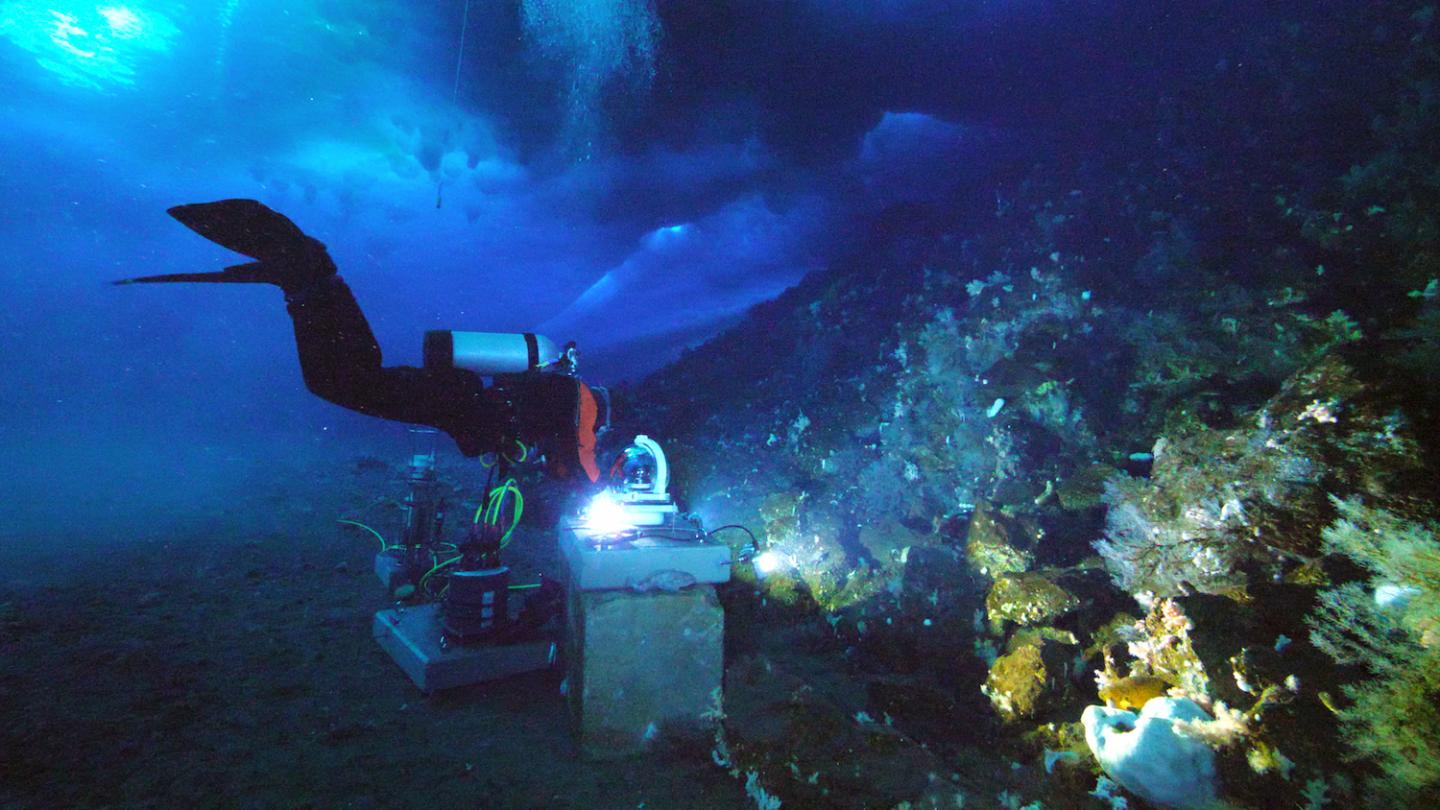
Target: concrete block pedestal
<point>638,663</point>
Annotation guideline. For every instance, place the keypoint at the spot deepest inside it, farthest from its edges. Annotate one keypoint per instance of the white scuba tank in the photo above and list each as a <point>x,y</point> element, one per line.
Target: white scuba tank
<point>488,353</point>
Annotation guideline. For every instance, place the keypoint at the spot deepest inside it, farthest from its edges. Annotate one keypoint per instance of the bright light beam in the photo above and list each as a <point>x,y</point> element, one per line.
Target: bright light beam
<point>768,562</point>
<point>606,515</point>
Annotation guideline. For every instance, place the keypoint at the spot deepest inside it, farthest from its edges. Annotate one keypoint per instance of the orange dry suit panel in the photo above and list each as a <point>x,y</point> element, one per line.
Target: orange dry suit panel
<point>558,413</point>
<point>589,413</point>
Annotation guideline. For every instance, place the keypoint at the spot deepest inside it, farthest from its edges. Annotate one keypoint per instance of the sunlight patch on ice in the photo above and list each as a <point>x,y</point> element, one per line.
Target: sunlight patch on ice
<point>87,45</point>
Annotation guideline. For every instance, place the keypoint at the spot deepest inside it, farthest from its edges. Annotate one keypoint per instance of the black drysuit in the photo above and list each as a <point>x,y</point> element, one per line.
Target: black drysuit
<point>341,361</point>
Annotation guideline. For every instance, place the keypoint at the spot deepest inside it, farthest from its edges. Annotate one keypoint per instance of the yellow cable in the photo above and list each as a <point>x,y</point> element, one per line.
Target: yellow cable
<point>519,510</point>
<point>497,498</point>
<point>495,495</point>
<point>494,517</point>
<point>509,488</point>
<point>489,500</point>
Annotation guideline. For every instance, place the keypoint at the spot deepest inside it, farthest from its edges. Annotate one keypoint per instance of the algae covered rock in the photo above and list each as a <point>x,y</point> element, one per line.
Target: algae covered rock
<point>1027,598</point>
<point>1040,635</point>
<point>1084,488</point>
<point>996,544</point>
<point>780,512</point>
<point>1024,681</point>
<point>889,541</point>
<point>1016,683</point>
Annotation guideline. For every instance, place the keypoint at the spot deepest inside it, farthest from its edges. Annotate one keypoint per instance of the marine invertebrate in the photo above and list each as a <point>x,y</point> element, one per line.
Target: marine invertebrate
<point>1130,691</point>
<point>1389,626</point>
<point>1223,505</point>
<point>1150,756</point>
<point>1160,644</point>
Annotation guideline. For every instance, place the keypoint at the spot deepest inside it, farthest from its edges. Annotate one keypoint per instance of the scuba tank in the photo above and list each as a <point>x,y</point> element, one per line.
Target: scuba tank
<point>490,353</point>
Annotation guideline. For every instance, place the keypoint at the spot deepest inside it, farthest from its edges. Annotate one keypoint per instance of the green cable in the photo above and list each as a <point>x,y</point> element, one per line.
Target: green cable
<point>497,503</point>
<point>509,487</point>
<point>524,453</point>
<point>515,522</point>
<point>491,507</point>
<point>437,567</point>
<point>497,500</point>
<point>490,503</point>
<point>524,587</point>
<point>383,545</point>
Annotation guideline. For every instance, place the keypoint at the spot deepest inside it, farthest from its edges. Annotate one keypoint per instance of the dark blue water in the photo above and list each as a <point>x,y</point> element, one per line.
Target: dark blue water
<point>633,189</point>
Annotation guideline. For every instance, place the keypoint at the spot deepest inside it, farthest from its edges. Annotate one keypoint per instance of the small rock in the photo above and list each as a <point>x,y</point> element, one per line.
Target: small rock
<point>996,544</point>
<point>1016,683</point>
<point>1027,599</point>
<point>1024,681</point>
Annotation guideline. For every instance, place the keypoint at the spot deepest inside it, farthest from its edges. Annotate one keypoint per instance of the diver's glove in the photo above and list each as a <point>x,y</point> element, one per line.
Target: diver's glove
<point>284,255</point>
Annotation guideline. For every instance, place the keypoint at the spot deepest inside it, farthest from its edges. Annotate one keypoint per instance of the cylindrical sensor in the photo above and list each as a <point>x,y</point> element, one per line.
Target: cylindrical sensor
<point>476,604</point>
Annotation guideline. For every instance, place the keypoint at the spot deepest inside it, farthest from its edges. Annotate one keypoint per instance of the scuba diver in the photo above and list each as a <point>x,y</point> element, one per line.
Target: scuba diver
<point>544,406</point>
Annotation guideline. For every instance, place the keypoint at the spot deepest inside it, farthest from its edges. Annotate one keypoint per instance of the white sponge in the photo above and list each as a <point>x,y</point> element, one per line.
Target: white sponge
<point>1149,757</point>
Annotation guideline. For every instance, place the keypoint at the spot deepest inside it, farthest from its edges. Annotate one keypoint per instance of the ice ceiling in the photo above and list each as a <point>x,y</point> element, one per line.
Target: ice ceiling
<point>630,175</point>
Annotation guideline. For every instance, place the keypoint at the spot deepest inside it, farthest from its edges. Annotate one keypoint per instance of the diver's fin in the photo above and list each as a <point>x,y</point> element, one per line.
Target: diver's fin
<point>286,257</point>
<point>245,226</point>
<point>248,273</point>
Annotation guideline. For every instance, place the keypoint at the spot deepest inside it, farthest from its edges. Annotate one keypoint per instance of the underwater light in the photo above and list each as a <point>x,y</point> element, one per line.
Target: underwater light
<point>637,495</point>
<point>768,562</point>
<point>606,515</point>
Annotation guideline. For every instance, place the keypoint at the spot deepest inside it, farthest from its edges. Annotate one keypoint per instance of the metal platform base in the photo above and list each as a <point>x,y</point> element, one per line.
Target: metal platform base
<point>412,637</point>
